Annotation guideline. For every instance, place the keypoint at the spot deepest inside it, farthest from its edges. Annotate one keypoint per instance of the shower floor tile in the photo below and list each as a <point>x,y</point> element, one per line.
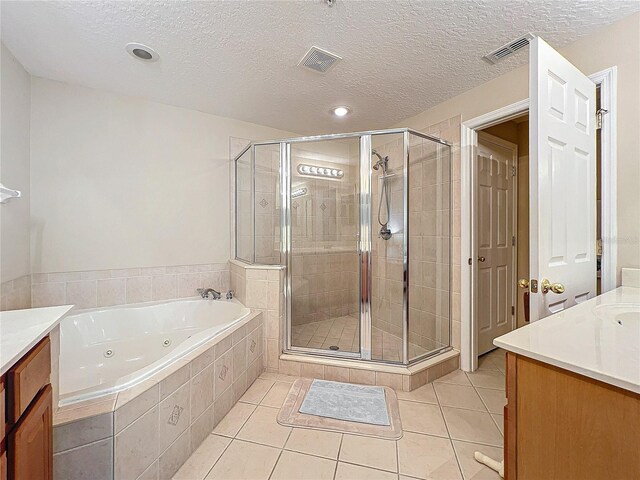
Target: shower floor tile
<point>343,332</point>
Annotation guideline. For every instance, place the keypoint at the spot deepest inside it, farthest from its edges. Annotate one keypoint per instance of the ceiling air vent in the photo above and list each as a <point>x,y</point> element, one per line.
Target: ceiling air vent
<point>508,49</point>
<point>319,60</point>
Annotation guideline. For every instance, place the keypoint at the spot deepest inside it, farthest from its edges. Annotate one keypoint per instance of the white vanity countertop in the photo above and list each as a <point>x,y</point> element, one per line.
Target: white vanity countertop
<point>21,330</point>
<point>599,339</point>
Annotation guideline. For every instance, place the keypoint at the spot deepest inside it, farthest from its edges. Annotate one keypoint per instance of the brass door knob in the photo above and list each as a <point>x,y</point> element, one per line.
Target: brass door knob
<point>523,283</point>
<point>554,287</point>
<point>481,259</point>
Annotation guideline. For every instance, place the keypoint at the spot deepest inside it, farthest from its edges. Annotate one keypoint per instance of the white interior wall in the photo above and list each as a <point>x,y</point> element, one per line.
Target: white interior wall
<point>123,182</point>
<point>616,45</point>
<point>14,167</point>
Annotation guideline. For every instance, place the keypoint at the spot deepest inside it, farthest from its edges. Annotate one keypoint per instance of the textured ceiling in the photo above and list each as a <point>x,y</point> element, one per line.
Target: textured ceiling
<point>239,58</point>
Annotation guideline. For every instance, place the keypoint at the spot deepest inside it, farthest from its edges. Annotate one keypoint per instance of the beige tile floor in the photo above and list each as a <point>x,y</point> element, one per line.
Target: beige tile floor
<point>343,332</point>
<point>443,422</point>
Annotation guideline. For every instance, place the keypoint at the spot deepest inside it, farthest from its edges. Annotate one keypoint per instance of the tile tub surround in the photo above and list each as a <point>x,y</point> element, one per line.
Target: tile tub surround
<point>104,288</point>
<point>150,431</point>
<point>261,288</point>
<point>16,294</point>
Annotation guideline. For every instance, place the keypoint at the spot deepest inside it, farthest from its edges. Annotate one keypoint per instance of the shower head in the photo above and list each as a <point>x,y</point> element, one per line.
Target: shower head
<point>382,162</point>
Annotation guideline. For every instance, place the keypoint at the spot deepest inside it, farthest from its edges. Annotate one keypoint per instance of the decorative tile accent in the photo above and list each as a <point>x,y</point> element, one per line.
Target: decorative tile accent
<point>264,203</point>
<point>174,418</point>
<point>323,207</point>
<point>223,372</point>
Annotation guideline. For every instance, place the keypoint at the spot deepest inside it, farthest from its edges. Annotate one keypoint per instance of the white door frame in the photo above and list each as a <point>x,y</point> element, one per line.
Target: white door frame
<point>607,80</point>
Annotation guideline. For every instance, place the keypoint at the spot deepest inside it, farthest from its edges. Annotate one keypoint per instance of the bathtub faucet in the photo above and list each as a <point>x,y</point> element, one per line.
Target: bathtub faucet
<point>204,293</point>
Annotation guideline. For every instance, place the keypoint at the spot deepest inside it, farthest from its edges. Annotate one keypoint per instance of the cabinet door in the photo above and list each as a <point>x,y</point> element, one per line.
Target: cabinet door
<point>30,445</point>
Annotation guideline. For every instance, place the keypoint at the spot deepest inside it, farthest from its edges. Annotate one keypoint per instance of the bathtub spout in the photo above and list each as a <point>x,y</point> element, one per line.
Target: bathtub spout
<point>204,293</point>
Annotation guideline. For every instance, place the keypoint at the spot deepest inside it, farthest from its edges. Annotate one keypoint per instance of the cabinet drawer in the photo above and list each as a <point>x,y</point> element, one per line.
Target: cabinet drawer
<point>30,443</point>
<point>27,378</point>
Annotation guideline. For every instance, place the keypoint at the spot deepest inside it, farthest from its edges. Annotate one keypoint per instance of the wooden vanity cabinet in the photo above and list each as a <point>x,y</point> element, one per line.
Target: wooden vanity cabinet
<point>31,441</point>
<point>26,407</point>
<point>3,448</point>
<point>559,425</point>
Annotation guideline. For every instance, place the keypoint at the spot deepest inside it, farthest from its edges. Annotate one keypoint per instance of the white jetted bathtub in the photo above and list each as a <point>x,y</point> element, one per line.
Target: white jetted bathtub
<point>109,350</point>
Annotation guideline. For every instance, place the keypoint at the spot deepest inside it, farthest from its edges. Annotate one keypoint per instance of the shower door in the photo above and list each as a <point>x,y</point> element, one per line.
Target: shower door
<point>354,207</point>
<point>322,203</point>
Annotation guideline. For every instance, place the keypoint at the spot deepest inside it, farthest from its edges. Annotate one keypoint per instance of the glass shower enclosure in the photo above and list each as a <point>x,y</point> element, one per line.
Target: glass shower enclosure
<point>362,223</point>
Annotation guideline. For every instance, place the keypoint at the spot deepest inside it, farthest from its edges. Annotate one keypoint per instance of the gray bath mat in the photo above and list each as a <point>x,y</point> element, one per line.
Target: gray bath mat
<point>345,401</point>
<point>291,414</point>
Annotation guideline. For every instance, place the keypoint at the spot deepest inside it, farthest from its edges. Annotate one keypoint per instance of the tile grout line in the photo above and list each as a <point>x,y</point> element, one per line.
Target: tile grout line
<point>490,414</point>
<point>335,471</point>
<point>444,420</point>
<point>338,456</point>
<point>218,459</point>
<point>281,451</point>
<point>398,456</point>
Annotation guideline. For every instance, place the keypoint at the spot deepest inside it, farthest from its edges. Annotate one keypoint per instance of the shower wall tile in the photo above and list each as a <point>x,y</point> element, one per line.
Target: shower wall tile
<point>433,219</point>
<point>102,288</point>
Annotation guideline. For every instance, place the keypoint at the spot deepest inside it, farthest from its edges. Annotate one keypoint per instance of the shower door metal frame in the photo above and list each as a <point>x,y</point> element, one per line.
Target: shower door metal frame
<point>286,232</point>
<point>364,240</point>
<point>252,193</point>
<point>365,229</point>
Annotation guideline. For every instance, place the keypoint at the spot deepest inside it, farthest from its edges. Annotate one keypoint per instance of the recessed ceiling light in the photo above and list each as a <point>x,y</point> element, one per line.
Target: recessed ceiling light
<point>142,52</point>
<point>341,111</point>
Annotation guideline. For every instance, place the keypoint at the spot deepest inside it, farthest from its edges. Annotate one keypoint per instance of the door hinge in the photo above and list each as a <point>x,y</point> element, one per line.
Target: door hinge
<point>513,241</point>
<point>513,310</point>
<point>599,114</point>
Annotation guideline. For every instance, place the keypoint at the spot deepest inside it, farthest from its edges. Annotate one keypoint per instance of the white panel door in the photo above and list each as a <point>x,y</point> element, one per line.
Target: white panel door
<point>496,163</point>
<point>562,181</point>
